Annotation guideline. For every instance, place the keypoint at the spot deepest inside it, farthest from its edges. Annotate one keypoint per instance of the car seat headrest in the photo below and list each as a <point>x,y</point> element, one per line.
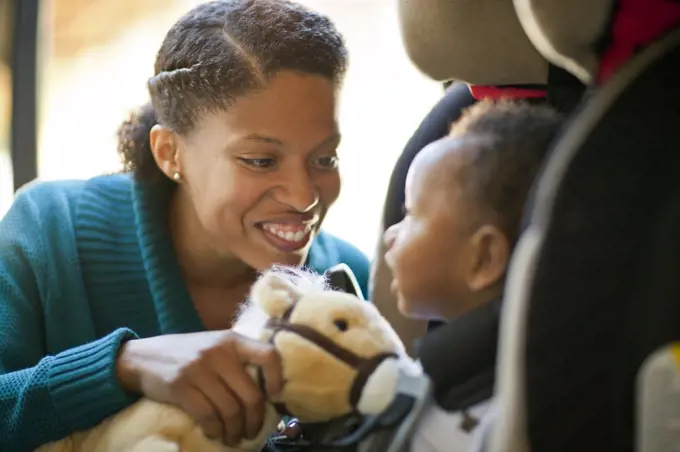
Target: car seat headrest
<point>479,42</point>
<point>593,38</point>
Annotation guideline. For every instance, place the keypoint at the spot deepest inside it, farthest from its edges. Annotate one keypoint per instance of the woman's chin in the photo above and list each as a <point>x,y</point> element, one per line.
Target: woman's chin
<point>277,256</point>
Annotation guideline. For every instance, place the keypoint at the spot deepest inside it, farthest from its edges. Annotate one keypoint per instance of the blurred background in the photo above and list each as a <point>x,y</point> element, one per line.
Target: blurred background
<point>94,57</point>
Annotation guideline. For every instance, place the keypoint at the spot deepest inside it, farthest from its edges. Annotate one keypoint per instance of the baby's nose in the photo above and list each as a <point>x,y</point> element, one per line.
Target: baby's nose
<point>390,235</point>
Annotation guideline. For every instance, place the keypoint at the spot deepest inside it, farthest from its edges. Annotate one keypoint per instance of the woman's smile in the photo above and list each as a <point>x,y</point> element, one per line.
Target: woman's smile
<point>290,234</point>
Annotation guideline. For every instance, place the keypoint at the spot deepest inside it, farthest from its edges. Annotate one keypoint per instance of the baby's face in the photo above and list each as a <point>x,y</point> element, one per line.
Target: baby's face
<point>429,251</point>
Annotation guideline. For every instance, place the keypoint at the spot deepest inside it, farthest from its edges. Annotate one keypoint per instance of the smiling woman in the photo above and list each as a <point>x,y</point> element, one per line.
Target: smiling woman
<point>126,285</point>
<point>254,176</point>
<point>259,176</point>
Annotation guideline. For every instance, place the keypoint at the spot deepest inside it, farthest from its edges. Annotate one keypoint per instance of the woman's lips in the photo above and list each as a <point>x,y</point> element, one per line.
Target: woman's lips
<point>288,237</point>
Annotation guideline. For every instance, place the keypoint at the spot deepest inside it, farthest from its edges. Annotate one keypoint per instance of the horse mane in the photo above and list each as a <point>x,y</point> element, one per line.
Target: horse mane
<point>304,281</point>
<point>251,319</point>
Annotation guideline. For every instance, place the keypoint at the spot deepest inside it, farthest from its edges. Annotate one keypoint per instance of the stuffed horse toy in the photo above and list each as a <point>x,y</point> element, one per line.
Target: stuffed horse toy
<point>339,356</point>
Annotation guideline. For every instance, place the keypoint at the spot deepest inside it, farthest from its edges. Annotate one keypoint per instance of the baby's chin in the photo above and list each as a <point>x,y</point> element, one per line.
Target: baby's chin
<point>414,310</point>
<point>405,308</point>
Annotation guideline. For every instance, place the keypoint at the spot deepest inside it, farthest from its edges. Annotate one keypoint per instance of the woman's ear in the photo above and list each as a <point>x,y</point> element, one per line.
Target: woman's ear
<point>490,256</point>
<point>164,147</point>
<point>274,293</point>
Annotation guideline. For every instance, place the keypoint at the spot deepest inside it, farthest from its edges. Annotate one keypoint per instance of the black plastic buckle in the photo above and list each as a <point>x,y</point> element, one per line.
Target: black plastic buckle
<point>347,433</point>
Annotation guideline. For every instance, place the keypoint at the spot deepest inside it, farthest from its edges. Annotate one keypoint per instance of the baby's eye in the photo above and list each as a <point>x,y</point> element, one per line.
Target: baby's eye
<point>260,163</point>
<point>329,162</point>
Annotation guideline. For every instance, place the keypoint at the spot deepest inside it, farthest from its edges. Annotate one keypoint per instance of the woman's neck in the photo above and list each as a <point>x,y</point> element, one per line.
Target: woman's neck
<point>200,263</point>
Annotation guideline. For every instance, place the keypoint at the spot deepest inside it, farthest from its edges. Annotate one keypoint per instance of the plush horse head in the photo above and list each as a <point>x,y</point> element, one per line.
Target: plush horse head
<point>339,354</point>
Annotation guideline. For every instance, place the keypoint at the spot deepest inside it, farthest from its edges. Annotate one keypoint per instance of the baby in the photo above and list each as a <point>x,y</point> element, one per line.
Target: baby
<point>465,197</point>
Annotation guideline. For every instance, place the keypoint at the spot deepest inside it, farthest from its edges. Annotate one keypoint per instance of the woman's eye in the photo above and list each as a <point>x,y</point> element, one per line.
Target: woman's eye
<point>259,163</point>
<point>330,162</point>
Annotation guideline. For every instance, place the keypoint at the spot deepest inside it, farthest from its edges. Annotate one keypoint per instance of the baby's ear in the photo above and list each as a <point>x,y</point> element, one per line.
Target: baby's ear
<point>274,293</point>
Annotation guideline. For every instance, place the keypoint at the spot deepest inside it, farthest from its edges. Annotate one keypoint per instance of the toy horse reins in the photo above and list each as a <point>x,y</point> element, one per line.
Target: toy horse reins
<point>364,366</point>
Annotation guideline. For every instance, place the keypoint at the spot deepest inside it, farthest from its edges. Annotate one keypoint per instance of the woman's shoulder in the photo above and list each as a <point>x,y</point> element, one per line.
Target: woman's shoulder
<point>49,208</point>
<point>63,196</point>
<point>48,193</point>
<point>329,250</point>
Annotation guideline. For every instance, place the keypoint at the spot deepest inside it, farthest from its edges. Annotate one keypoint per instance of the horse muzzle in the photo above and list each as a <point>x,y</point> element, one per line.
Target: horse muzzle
<point>376,377</point>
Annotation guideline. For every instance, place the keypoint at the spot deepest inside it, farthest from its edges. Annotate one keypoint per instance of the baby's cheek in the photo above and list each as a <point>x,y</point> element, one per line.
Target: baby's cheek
<point>405,278</point>
<point>405,253</point>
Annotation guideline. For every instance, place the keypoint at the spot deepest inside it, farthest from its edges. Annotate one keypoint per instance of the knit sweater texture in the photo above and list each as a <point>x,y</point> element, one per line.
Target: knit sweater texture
<point>85,266</point>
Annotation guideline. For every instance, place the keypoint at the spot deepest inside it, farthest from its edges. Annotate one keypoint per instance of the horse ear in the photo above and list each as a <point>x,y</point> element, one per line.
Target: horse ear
<point>274,293</point>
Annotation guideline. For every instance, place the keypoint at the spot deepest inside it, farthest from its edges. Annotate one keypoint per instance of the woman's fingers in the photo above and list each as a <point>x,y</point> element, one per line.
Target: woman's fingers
<point>251,400</point>
<point>229,409</point>
<point>213,402</point>
<point>263,355</point>
<point>206,375</point>
<point>197,405</point>
<point>249,352</point>
<point>234,423</point>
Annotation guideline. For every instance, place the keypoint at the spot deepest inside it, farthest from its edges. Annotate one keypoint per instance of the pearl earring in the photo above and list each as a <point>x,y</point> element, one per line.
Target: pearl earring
<point>177,176</point>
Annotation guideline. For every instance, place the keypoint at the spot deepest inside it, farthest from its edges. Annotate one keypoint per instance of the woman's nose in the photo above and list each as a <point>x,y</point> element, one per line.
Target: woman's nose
<point>300,192</point>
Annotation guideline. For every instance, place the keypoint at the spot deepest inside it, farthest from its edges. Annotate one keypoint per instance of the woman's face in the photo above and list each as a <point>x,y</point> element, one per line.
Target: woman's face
<point>261,176</point>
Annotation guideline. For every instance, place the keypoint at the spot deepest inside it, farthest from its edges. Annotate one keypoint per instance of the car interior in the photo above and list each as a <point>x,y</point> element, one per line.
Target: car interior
<point>583,351</point>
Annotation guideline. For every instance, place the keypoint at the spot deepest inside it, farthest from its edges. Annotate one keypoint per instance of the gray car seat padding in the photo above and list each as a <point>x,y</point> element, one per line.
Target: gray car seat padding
<point>592,288</point>
<point>479,42</point>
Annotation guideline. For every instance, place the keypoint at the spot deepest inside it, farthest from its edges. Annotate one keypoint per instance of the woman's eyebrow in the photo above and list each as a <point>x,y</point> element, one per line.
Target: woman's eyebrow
<point>263,139</point>
<point>332,139</point>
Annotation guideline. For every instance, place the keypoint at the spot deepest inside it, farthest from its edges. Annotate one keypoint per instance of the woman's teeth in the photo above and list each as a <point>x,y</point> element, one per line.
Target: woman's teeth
<point>287,232</point>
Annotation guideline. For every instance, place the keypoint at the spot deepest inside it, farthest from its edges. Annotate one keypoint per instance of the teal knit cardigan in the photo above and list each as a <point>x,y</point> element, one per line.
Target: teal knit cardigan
<point>85,266</point>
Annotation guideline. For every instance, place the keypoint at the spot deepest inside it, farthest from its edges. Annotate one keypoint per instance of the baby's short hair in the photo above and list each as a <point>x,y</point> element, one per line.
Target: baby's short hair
<point>509,140</point>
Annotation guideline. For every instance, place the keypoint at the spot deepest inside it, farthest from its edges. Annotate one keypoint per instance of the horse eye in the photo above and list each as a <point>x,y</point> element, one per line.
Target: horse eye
<point>341,324</point>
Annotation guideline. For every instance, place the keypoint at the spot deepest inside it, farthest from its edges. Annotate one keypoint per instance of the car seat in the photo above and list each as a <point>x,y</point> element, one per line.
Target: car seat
<point>593,288</point>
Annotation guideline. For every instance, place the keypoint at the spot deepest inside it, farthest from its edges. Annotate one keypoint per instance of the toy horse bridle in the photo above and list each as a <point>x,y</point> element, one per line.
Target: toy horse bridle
<point>363,366</point>
<point>346,433</point>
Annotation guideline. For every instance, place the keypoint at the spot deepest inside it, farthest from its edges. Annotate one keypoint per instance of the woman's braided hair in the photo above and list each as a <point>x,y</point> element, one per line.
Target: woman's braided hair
<point>219,51</point>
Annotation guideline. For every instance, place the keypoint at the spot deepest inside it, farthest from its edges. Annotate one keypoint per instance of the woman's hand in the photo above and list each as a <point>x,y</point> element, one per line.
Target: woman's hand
<point>205,375</point>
